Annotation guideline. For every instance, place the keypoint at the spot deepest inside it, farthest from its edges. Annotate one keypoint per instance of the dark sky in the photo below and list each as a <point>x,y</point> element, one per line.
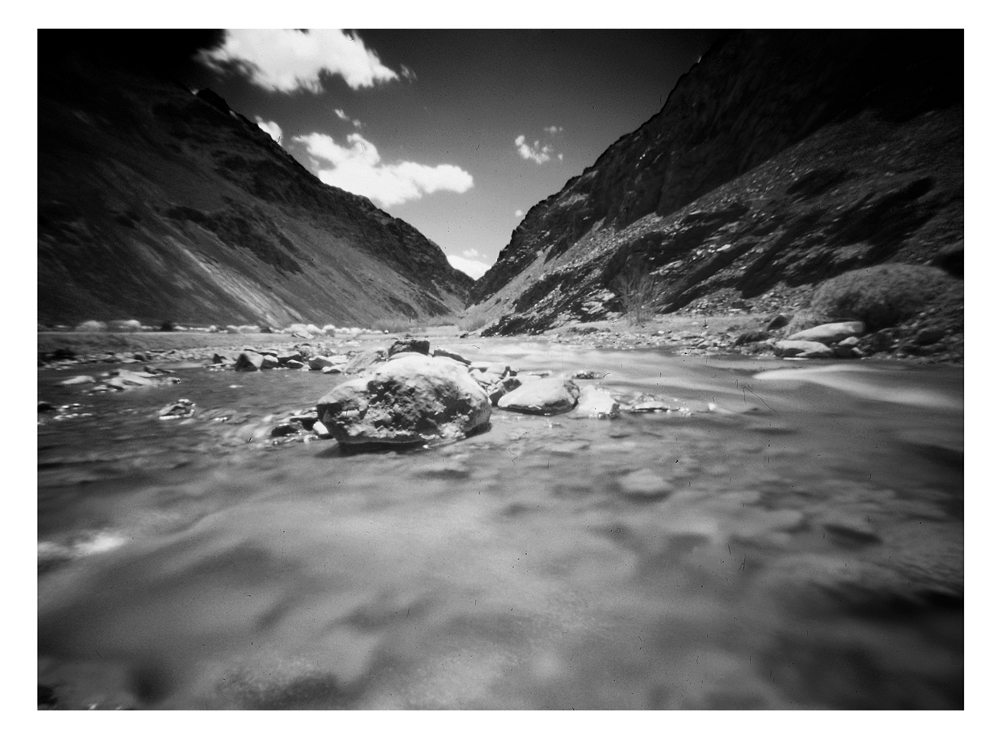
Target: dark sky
<point>457,132</point>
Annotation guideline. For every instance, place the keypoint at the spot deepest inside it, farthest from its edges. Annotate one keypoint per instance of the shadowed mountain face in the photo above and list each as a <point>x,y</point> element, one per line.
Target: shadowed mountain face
<point>782,159</point>
<point>158,204</point>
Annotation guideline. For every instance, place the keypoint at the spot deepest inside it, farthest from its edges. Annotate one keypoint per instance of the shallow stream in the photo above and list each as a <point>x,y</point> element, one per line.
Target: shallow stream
<point>798,543</point>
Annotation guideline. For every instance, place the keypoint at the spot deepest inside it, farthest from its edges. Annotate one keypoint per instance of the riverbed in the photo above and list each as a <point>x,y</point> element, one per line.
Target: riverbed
<point>791,535</point>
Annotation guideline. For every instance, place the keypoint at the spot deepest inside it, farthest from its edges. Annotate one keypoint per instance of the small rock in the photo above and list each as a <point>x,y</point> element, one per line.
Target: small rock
<point>319,363</point>
<point>183,408</point>
<point>780,320</point>
<point>249,361</point>
<point>543,397</point>
<point>284,429</point>
<point>929,336</point>
<point>296,364</point>
<point>320,429</point>
<point>749,337</point>
<point>408,344</point>
<point>829,333</point>
<point>588,375</point>
<point>595,403</point>
<point>268,361</point>
<point>848,348</point>
<point>45,407</point>
<point>498,389</point>
<point>78,380</point>
<point>802,349</point>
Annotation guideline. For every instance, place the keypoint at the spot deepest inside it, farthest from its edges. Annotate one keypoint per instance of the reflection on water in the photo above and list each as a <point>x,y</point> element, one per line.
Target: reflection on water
<point>795,542</point>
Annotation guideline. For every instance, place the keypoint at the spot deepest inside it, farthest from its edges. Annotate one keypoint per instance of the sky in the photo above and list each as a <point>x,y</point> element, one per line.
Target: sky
<point>457,132</point>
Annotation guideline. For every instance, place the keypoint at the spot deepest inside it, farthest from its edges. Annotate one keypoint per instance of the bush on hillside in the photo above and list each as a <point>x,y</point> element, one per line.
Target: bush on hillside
<point>640,293</point>
<point>882,296</point>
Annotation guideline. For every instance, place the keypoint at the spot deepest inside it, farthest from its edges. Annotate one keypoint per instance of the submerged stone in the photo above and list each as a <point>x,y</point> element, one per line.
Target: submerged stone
<point>644,483</point>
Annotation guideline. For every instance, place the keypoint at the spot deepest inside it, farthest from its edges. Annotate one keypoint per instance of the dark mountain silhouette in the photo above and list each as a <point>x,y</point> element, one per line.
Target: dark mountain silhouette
<point>155,203</point>
<point>781,159</point>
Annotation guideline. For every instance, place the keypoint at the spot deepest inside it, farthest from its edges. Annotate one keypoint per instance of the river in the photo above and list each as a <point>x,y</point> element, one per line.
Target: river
<point>792,540</point>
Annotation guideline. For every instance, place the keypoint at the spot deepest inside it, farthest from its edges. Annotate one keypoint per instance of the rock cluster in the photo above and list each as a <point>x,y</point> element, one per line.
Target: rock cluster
<point>826,341</point>
<point>408,395</point>
<point>118,380</point>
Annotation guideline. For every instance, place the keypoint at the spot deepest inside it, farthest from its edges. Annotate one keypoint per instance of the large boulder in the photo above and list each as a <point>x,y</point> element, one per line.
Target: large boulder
<point>544,397</point>
<point>830,333</point>
<point>408,401</point>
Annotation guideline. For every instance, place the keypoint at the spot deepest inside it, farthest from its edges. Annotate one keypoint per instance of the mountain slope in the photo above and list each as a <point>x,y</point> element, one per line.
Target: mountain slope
<point>158,204</point>
<point>781,159</point>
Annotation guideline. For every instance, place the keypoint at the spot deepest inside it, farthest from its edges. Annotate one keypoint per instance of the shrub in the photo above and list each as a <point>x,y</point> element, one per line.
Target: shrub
<point>881,296</point>
<point>639,292</point>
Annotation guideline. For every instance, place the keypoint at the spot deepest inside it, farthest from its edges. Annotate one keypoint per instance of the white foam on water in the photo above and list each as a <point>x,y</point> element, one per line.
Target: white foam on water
<point>864,383</point>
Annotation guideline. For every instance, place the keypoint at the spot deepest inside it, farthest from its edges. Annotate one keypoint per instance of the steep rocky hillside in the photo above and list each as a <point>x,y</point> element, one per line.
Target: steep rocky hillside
<point>782,159</point>
<point>158,204</point>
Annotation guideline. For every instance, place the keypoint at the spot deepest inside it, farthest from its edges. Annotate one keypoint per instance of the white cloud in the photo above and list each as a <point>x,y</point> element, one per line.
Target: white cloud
<point>474,268</point>
<point>286,60</point>
<point>553,130</point>
<point>518,213</point>
<point>358,168</point>
<point>344,117</point>
<point>407,72</point>
<point>269,127</point>
<point>537,152</point>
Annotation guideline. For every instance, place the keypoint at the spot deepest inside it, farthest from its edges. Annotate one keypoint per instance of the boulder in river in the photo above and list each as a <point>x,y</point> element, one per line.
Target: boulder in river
<point>829,333</point>
<point>803,349</point>
<point>595,403</point>
<point>409,344</point>
<point>249,361</point>
<point>545,397</point>
<point>408,401</point>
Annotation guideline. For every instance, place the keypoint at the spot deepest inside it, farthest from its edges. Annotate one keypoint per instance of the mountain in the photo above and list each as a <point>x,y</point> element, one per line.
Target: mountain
<point>783,158</point>
<point>156,204</point>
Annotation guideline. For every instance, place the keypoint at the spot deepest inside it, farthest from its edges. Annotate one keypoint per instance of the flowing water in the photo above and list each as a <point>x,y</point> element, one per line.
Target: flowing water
<point>798,543</point>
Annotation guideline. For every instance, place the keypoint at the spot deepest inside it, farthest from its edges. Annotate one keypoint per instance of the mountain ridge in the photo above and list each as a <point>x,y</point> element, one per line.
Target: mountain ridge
<point>156,203</point>
<point>752,97</point>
